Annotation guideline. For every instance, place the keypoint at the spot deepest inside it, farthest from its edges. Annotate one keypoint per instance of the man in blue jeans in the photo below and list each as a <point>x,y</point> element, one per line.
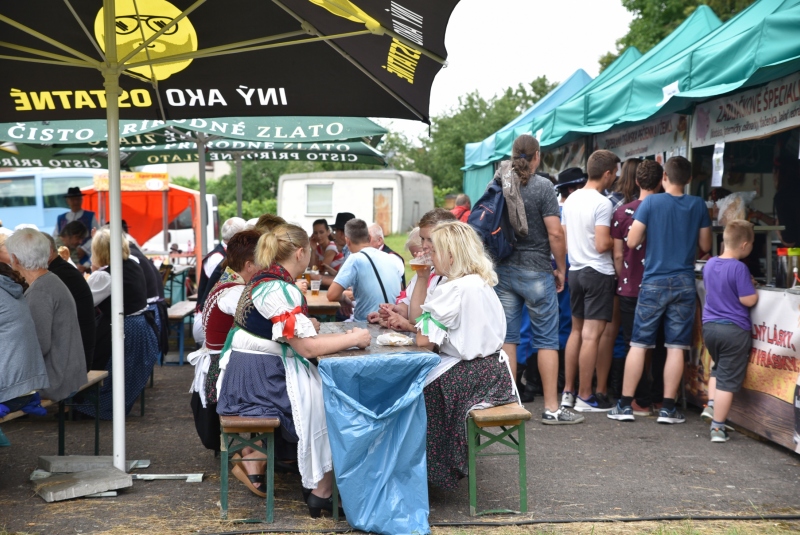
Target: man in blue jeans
<point>526,277</point>
<point>674,224</point>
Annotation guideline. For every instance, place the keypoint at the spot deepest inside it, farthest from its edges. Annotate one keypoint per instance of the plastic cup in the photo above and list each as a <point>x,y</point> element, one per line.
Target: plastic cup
<point>315,287</point>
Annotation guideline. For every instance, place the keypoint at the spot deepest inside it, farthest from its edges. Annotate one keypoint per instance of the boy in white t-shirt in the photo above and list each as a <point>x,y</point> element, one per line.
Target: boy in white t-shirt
<point>586,218</point>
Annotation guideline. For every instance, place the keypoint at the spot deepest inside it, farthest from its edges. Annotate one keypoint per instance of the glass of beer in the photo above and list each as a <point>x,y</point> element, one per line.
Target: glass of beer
<point>421,262</point>
<point>315,287</point>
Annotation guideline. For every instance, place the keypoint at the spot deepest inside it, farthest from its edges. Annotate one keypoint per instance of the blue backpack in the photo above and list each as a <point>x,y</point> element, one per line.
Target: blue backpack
<point>489,218</point>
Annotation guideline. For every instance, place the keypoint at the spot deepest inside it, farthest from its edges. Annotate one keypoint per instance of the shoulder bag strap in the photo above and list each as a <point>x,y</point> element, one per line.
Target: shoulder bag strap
<point>385,297</point>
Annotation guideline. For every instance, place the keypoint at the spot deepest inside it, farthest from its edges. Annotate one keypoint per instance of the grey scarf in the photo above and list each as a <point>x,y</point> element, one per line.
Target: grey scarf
<point>516,208</point>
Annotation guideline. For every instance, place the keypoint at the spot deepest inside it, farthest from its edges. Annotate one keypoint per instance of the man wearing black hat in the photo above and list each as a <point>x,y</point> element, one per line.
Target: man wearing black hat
<point>570,180</point>
<point>76,212</point>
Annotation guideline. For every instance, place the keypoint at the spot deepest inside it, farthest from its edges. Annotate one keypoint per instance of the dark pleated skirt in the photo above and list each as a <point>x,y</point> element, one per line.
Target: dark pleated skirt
<point>254,385</point>
<point>447,401</point>
<point>141,354</point>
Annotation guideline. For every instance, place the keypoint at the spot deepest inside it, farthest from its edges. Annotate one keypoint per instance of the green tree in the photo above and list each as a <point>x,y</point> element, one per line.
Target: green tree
<point>475,118</point>
<point>653,20</point>
<point>250,209</point>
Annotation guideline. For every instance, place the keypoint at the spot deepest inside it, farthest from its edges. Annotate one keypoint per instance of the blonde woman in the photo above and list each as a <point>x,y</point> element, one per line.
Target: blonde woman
<point>264,371</point>
<point>141,340</point>
<point>464,322</point>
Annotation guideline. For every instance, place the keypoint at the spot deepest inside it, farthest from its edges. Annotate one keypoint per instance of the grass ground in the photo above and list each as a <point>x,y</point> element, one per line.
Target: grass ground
<point>687,527</point>
<point>397,242</point>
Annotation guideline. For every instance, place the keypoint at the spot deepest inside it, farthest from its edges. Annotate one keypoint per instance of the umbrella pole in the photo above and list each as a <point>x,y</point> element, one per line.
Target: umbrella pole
<point>165,218</point>
<point>111,83</point>
<point>238,157</point>
<point>201,176</point>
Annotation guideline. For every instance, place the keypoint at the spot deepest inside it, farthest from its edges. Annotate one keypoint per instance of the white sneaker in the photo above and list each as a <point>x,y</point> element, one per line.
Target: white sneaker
<point>567,399</point>
<point>563,416</point>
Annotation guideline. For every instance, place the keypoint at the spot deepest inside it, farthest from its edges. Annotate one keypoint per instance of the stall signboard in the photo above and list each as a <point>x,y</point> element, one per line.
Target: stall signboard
<point>769,402</point>
<point>655,136</point>
<point>135,181</point>
<point>750,114</point>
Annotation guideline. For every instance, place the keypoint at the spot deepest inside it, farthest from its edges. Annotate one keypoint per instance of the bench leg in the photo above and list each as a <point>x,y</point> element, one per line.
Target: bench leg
<point>223,477</point>
<point>472,438</point>
<point>270,477</point>
<point>181,328</point>
<point>335,499</point>
<point>61,428</point>
<point>523,470</point>
<point>97,418</point>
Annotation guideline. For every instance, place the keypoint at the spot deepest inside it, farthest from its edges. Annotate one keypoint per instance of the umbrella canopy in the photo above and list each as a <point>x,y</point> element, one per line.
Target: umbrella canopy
<point>153,132</point>
<point>184,60</point>
<point>188,59</point>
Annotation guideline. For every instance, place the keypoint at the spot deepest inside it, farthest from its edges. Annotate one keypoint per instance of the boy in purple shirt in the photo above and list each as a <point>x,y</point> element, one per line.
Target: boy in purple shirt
<point>726,322</point>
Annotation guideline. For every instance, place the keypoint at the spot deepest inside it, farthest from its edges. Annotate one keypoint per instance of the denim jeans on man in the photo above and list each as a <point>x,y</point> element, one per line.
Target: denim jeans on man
<point>674,299</point>
<point>535,289</point>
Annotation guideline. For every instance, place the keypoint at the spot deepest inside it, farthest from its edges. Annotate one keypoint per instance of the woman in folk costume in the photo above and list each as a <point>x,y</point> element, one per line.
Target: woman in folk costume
<point>464,322</point>
<point>264,371</point>
<point>217,320</point>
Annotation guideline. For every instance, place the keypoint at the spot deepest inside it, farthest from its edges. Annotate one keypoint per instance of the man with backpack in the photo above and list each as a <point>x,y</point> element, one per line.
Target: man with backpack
<point>525,276</point>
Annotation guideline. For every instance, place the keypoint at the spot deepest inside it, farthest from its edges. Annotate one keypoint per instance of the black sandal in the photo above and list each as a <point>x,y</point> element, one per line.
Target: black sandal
<point>316,505</point>
<point>250,480</point>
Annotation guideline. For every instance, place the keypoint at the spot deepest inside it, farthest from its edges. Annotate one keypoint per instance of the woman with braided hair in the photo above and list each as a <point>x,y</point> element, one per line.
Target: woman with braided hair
<point>264,371</point>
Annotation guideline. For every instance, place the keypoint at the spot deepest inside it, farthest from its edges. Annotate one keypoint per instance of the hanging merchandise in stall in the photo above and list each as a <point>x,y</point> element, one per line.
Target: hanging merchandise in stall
<point>767,404</point>
<point>556,159</point>
<point>754,113</point>
<point>663,134</point>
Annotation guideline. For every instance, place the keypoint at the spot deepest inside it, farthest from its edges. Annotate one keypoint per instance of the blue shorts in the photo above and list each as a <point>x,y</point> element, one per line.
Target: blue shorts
<point>674,299</point>
<point>537,290</point>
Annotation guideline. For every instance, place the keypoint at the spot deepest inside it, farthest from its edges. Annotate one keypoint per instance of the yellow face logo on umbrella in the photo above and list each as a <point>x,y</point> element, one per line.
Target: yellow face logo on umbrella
<point>348,10</point>
<point>133,30</point>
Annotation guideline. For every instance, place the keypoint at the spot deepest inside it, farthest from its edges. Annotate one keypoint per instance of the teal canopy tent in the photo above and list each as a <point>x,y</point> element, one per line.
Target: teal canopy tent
<point>758,45</point>
<point>480,157</point>
<point>561,125</point>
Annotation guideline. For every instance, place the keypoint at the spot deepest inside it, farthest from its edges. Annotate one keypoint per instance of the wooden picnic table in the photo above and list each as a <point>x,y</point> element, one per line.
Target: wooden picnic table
<point>373,349</point>
<point>318,305</point>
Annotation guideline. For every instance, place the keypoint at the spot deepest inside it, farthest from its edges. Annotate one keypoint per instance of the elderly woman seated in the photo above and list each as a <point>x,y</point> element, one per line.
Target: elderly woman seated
<point>141,341</point>
<point>21,362</point>
<point>54,314</point>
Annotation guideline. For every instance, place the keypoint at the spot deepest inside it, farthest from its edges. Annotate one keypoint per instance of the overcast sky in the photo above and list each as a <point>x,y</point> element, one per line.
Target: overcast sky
<point>494,44</point>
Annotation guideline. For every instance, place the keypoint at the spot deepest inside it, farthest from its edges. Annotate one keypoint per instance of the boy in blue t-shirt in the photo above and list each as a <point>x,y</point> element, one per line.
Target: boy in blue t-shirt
<point>674,224</point>
<point>726,322</point>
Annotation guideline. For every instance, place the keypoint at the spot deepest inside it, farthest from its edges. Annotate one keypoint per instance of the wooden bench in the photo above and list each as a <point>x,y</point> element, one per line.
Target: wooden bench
<point>510,419</point>
<point>94,379</point>
<point>176,314</point>
<point>232,441</point>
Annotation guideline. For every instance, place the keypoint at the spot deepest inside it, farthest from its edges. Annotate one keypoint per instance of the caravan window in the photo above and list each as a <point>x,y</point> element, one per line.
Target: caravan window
<point>18,192</point>
<point>319,199</point>
<point>55,187</point>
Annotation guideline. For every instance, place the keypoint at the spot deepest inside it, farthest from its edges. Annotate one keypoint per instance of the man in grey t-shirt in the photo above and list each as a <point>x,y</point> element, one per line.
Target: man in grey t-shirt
<point>527,278</point>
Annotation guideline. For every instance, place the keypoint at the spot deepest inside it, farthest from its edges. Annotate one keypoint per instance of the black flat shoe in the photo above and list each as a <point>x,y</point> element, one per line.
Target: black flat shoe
<point>316,505</point>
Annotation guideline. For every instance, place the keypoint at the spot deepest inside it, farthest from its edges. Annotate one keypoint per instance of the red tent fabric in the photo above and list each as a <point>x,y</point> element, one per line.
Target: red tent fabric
<point>143,210</point>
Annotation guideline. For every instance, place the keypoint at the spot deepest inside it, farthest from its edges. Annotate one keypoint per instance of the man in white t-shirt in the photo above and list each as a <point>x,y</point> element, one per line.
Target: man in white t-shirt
<point>586,218</point>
